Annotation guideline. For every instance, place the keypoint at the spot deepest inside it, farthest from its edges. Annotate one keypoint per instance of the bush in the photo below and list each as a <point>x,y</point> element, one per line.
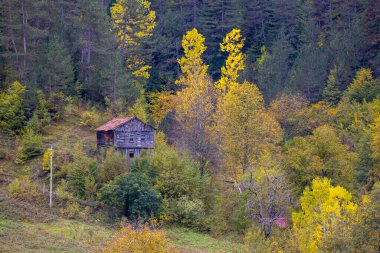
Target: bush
<point>61,190</point>
<point>145,240</point>
<point>41,116</point>
<point>74,210</point>
<point>177,175</point>
<point>82,175</point>
<point>255,241</point>
<point>24,189</point>
<point>182,186</point>
<point>14,188</point>
<point>114,165</point>
<point>11,112</point>
<point>30,146</point>
<point>89,118</point>
<point>134,194</point>
<point>190,213</point>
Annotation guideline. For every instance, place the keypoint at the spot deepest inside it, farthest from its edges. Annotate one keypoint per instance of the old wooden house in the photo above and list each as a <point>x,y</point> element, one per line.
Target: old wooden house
<point>129,134</point>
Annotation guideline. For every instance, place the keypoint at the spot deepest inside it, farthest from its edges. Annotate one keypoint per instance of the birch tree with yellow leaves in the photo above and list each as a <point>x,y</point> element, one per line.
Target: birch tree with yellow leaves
<point>195,102</point>
<point>232,44</point>
<point>134,23</point>
<point>325,211</point>
<point>244,128</point>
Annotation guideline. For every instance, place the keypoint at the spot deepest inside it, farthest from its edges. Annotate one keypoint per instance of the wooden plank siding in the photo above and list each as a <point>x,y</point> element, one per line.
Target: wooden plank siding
<point>134,134</point>
<point>129,135</point>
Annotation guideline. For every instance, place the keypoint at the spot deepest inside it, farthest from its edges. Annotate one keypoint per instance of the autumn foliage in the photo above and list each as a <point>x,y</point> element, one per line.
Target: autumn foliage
<point>129,240</point>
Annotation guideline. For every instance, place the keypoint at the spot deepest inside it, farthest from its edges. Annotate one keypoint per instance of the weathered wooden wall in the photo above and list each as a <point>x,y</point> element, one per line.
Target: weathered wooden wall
<point>134,134</point>
<point>104,138</point>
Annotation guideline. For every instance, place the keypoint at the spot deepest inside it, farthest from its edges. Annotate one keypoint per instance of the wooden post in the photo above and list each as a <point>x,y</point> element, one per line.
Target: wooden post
<point>51,176</point>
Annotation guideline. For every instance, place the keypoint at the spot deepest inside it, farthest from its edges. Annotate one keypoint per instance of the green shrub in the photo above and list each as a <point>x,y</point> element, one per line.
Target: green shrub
<point>14,188</point>
<point>178,175</point>
<point>41,116</point>
<point>113,165</point>
<point>89,118</point>
<point>182,186</point>
<point>72,209</point>
<point>11,112</point>
<point>190,212</point>
<point>143,166</point>
<point>134,194</point>
<point>57,103</point>
<point>25,189</point>
<point>62,190</point>
<point>30,146</point>
<point>82,174</point>
<point>255,241</point>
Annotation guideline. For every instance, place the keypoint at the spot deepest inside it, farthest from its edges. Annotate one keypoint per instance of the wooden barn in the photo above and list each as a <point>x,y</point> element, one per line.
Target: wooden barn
<point>129,134</point>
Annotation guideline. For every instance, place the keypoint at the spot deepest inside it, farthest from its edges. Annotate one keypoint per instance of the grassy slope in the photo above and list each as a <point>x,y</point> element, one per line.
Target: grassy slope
<point>27,227</point>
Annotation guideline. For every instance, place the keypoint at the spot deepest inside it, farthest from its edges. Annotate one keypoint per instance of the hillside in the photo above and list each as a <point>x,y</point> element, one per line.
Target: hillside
<point>29,225</point>
<point>231,126</point>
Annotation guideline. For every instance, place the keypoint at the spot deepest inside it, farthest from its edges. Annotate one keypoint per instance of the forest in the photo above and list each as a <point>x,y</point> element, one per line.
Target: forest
<point>266,112</point>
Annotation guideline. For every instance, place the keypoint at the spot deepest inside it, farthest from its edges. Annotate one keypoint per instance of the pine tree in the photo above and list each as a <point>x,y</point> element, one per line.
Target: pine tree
<point>273,67</point>
<point>363,87</point>
<point>332,93</point>
<point>57,68</point>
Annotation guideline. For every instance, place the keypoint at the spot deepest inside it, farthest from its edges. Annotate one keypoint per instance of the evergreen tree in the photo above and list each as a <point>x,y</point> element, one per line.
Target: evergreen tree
<point>273,69</point>
<point>331,93</point>
<point>56,68</point>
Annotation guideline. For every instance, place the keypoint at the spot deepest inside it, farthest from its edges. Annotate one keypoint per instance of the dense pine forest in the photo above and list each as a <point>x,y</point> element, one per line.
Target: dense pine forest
<point>266,112</point>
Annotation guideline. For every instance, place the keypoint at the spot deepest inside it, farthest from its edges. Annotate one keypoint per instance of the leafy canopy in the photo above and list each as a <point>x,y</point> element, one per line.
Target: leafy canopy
<point>325,210</point>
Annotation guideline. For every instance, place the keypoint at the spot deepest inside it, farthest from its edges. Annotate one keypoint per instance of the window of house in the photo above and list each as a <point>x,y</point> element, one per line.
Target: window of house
<point>131,139</point>
<point>131,154</point>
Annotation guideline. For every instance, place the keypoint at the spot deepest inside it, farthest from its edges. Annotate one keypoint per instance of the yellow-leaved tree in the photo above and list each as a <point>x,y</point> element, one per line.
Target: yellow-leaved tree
<point>244,128</point>
<point>161,104</point>
<point>375,148</point>
<point>232,44</point>
<point>326,210</point>
<point>192,66</point>
<point>195,102</point>
<point>46,159</point>
<point>134,22</point>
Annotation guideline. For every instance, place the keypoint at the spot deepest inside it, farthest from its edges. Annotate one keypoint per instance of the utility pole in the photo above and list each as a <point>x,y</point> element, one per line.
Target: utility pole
<point>51,175</point>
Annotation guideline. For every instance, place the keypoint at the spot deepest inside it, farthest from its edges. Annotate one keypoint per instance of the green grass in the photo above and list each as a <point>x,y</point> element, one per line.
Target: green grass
<point>190,241</point>
<point>61,236</point>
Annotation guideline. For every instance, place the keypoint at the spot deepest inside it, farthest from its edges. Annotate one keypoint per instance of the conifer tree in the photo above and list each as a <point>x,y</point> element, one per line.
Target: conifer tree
<point>331,93</point>
<point>363,87</point>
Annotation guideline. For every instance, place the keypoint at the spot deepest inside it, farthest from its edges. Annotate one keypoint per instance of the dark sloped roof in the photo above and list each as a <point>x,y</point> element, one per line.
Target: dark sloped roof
<point>114,123</point>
